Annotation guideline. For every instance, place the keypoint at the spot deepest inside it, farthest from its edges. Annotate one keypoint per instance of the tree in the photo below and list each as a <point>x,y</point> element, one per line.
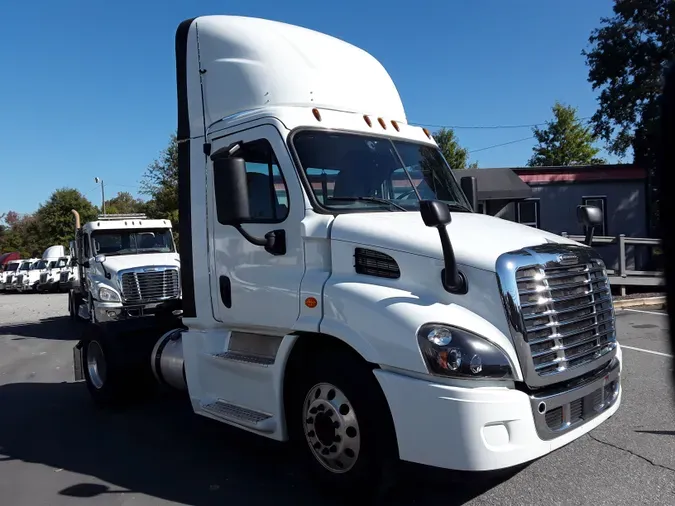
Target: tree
<point>20,233</point>
<point>124,203</point>
<point>564,141</point>
<point>160,182</point>
<point>626,61</point>
<point>456,156</point>
<point>54,219</point>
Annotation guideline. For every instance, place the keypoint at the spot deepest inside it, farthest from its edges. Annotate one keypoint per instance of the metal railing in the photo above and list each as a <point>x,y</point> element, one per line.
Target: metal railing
<point>623,276</point>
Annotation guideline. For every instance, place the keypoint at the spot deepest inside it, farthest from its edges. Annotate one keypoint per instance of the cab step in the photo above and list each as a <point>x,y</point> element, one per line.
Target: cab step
<point>245,358</point>
<point>241,416</point>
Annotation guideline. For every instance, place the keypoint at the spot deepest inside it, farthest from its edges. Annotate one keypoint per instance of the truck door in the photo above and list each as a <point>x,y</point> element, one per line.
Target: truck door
<point>251,288</point>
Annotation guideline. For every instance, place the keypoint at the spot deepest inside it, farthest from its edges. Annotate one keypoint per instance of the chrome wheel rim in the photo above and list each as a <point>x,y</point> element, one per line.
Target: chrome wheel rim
<point>96,365</point>
<point>331,428</point>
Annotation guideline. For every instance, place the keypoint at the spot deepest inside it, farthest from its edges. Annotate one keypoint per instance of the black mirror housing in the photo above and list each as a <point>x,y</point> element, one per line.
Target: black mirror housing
<point>434,213</point>
<point>231,187</point>
<point>589,216</point>
<point>470,188</point>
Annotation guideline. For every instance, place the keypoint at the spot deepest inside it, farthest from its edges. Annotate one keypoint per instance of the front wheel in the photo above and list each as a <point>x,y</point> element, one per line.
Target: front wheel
<point>341,423</point>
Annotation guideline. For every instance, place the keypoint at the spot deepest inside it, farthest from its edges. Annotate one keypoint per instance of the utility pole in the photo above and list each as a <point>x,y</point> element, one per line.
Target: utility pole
<point>99,180</point>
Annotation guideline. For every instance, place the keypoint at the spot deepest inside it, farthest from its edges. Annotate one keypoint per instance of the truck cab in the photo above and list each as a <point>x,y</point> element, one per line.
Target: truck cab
<point>8,273</point>
<point>49,278</point>
<point>27,276</point>
<point>338,289</point>
<point>128,267</point>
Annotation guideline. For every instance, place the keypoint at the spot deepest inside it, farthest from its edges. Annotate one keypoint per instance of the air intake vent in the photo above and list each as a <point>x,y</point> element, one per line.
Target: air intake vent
<point>374,263</point>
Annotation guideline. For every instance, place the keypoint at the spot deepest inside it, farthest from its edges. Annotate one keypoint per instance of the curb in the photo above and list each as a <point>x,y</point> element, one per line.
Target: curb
<point>645,301</point>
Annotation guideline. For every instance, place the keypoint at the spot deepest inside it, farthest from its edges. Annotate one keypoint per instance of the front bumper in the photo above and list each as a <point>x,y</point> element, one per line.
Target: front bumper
<point>45,287</point>
<point>27,286</point>
<point>115,311</point>
<point>489,428</point>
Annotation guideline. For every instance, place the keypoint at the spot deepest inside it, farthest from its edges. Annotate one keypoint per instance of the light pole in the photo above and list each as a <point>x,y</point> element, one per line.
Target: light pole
<point>99,180</point>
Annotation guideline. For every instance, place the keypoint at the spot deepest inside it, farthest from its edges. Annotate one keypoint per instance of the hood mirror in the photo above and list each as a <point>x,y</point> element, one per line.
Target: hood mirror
<point>100,258</point>
<point>590,217</point>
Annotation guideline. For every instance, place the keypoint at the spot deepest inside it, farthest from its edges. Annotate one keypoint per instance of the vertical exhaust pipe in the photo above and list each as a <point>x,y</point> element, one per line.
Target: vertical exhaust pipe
<point>77,220</point>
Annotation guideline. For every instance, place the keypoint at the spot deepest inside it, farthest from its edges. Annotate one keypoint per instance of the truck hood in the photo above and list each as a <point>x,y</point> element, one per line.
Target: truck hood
<point>477,239</point>
<point>118,263</point>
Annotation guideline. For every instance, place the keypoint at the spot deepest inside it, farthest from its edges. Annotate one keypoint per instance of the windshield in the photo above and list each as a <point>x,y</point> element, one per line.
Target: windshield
<point>353,171</point>
<point>132,242</point>
<point>40,265</point>
<point>63,262</point>
<point>11,267</point>
<point>24,266</point>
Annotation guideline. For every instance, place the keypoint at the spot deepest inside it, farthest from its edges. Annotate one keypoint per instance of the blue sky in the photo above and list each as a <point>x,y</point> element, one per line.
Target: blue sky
<point>88,87</point>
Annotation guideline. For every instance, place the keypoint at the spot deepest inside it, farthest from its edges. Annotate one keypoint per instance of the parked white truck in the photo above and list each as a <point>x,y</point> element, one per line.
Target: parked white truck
<point>27,275</point>
<point>337,289</point>
<point>128,267</point>
<point>8,274</point>
<point>48,270</point>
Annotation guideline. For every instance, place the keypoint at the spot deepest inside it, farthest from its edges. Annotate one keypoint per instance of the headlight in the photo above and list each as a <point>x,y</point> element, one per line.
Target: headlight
<point>449,351</point>
<point>108,295</point>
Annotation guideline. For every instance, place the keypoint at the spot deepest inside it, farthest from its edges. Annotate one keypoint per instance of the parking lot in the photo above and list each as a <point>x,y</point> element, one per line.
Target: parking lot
<point>57,449</point>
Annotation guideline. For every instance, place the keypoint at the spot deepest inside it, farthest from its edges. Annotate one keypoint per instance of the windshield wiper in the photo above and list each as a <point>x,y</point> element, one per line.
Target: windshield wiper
<point>371,199</point>
<point>458,207</point>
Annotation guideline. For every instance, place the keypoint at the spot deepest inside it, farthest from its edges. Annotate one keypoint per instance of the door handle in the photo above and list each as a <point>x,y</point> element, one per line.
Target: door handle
<point>225,291</point>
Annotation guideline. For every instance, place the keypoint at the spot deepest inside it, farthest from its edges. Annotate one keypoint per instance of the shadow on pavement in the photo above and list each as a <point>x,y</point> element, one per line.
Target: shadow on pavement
<point>164,450</point>
<point>58,328</point>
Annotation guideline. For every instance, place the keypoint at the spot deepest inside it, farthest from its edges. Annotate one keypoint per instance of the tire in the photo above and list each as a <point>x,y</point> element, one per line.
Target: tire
<point>362,457</point>
<point>116,370</point>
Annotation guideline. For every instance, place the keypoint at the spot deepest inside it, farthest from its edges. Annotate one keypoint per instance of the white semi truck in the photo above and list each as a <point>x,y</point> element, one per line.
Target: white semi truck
<point>337,289</point>
<point>128,267</point>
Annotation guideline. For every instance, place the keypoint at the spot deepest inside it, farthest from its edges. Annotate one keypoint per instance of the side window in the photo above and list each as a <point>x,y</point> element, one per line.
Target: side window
<point>527,213</point>
<point>600,202</point>
<point>267,191</point>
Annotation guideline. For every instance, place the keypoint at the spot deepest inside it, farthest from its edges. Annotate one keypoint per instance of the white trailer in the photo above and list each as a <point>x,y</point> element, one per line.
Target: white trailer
<point>339,292</point>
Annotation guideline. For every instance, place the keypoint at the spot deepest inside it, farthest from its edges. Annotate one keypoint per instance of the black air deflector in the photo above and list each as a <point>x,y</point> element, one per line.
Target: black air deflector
<point>375,263</point>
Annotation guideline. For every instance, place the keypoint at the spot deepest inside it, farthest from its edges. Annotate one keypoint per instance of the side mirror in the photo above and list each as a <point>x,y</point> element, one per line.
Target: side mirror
<point>590,217</point>
<point>434,213</point>
<point>470,188</point>
<point>231,186</point>
<point>437,214</point>
<point>99,258</point>
<point>86,264</point>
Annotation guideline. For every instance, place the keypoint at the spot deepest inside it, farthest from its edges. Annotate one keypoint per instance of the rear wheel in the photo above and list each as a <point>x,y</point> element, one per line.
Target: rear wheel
<point>340,421</point>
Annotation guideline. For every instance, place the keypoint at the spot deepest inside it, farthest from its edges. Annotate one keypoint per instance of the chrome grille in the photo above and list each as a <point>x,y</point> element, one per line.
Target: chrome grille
<point>9,279</point>
<point>567,313</point>
<point>19,279</point>
<point>43,277</point>
<point>63,278</point>
<point>139,286</point>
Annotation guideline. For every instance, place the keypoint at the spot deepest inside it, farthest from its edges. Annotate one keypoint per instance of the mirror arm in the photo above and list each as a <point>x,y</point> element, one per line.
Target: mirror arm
<point>453,281</point>
<point>589,236</point>
<point>274,241</point>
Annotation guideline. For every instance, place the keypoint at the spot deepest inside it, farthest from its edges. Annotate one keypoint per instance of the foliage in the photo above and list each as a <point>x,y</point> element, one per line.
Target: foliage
<point>456,156</point>
<point>55,221</point>
<point>20,233</point>
<point>628,55</point>
<point>125,203</point>
<point>160,182</point>
<point>564,141</point>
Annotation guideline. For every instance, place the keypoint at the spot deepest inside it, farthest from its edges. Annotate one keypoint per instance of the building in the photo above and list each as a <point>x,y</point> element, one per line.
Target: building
<point>620,190</point>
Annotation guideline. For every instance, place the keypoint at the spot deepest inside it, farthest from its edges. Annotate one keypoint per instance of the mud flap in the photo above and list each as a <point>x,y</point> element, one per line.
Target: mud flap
<point>77,361</point>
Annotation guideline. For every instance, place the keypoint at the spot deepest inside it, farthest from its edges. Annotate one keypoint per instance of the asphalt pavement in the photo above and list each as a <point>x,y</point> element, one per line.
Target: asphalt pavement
<point>56,449</point>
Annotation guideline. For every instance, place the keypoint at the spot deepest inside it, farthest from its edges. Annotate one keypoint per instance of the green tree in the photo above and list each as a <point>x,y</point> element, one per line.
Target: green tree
<point>626,60</point>
<point>125,203</point>
<point>565,140</point>
<point>160,182</point>
<point>54,219</point>
<point>456,156</point>
<point>21,233</point>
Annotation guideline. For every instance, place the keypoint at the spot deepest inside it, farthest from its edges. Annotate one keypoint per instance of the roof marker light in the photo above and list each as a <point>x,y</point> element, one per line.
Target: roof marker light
<point>427,133</point>
<point>317,114</point>
<point>382,123</point>
<point>367,120</point>
<point>395,123</point>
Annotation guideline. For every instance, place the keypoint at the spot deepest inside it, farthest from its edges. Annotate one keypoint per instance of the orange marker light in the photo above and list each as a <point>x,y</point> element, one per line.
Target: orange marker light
<point>427,133</point>
<point>382,123</point>
<point>311,302</point>
<point>367,120</point>
<point>396,126</point>
<point>317,114</point>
